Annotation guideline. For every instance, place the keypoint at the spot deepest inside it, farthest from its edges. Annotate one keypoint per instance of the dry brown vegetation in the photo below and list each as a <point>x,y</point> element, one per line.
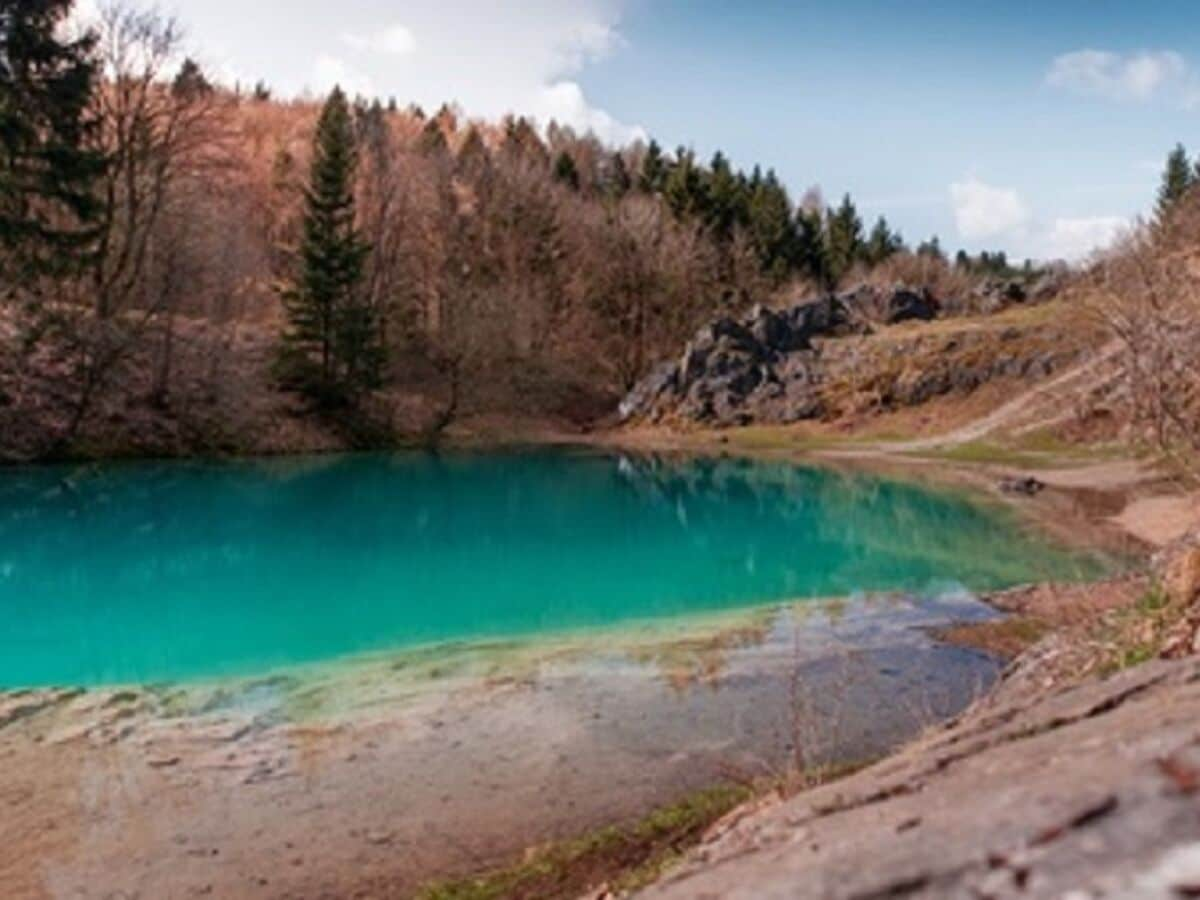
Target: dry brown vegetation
<point>513,272</point>
<point>489,273</point>
<point>1146,293</point>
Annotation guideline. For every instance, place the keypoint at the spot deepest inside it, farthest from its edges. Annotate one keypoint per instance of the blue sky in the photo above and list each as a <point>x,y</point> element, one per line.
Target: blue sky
<point>1031,127</point>
<point>896,102</point>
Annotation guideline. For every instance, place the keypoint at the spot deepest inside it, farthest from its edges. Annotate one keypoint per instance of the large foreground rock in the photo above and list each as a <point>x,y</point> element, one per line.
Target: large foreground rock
<point>1090,792</point>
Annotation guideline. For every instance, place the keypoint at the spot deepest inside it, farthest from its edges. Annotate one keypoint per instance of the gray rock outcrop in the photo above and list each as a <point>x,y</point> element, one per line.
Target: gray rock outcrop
<point>788,365</point>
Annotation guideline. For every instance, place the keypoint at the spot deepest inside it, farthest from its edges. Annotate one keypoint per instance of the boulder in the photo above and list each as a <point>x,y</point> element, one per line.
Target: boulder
<point>869,305</point>
<point>1021,486</point>
<point>824,317</point>
<point>727,373</point>
<point>906,306</point>
<point>646,394</point>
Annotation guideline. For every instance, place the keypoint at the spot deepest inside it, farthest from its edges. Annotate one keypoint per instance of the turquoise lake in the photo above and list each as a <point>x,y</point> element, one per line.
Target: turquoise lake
<point>152,572</point>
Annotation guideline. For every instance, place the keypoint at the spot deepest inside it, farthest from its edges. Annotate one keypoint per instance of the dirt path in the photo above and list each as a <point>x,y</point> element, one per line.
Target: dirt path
<point>1078,379</point>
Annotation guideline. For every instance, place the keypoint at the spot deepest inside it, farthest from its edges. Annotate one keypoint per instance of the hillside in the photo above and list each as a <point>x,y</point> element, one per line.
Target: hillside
<point>504,272</point>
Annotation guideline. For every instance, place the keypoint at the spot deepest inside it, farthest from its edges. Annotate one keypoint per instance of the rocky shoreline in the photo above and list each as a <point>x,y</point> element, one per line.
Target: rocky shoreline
<point>1081,782</point>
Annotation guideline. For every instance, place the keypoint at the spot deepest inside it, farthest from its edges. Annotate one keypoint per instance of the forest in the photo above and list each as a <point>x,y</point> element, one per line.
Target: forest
<point>183,249</point>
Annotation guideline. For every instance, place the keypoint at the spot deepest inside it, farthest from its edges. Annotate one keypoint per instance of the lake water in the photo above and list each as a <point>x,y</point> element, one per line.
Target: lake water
<point>151,572</point>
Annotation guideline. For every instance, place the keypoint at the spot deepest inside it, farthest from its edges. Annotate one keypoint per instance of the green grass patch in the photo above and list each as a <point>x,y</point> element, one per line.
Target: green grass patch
<point>1137,634</point>
<point>1041,449</point>
<point>624,858</point>
<point>980,452</point>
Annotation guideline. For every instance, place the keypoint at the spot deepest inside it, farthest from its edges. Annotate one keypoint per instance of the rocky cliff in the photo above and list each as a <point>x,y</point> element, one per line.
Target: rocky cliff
<point>828,356</point>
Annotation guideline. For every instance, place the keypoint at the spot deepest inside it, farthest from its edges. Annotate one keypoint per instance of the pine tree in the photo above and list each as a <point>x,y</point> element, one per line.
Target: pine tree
<point>618,182</point>
<point>191,80</point>
<point>882,243</point>
<point>565,171</point>
<point>810,246</point>
<point>932,249</point>
<point>47,171</point>
<point>1178,177</point>
<point>728,205</point>
<point>331,348</point>
<point>684,188</point>
<point>772,229</point>
<point>843,239</point>
<point>654,170</point>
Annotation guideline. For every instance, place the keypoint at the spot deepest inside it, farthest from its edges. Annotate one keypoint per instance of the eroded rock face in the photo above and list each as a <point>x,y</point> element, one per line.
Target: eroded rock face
<point>784,366</point>
<point>735,371</point>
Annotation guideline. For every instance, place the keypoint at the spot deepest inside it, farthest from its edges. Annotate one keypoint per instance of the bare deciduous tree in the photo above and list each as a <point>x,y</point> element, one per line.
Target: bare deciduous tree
<point>1146,292</point>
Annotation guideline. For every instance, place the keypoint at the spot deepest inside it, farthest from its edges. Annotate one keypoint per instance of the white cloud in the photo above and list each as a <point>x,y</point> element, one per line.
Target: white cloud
<point>330,72</point>
<point>1132,77</point>
<point>528,60</point>
<point>564,102</point>
<point>1001,219</point>
<point>984,211</point>
<point>1075,239</point>
<point>396,40</point>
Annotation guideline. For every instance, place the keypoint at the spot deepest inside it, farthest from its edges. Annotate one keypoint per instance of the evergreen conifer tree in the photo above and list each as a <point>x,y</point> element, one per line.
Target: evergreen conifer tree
<point>684,188</point>
<point>843,239</point>
<point>565,171</point>
<point>1177,177</point>
<point>618,183</point>
<point>654,170</point>
<point>932,249</point>
<point>772,228</point>
<point>48,172</point>
<point>810,246</point>
<point>331,348</point>
<point>727,200</point>
<point>882,243</point>
<point>191,80</point>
